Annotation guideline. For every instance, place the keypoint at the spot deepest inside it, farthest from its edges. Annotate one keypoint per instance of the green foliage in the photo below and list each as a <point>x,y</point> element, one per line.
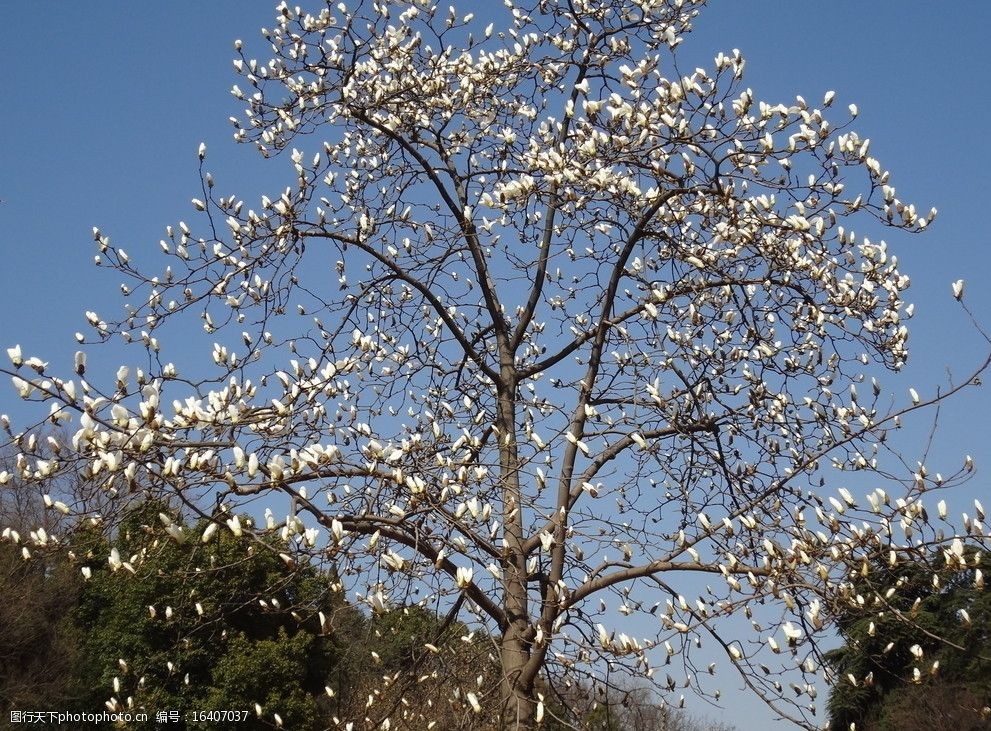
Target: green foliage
<point>192,623</point>
<point>267,672</point>
<point>878,647</point>
<point>34,650</point>
<point>398,637</point>
<point>425,684</point>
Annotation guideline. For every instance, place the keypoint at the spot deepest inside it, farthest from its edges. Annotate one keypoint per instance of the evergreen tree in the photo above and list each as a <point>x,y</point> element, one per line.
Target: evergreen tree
<point>201,624</point>
<point>936,667</point>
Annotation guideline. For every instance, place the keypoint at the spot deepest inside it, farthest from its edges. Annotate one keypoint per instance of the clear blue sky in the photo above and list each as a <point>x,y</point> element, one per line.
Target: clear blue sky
<point>106,102</point>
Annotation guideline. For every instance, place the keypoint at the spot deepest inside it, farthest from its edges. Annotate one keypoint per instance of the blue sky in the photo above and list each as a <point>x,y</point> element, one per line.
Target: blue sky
<point>105,104</point>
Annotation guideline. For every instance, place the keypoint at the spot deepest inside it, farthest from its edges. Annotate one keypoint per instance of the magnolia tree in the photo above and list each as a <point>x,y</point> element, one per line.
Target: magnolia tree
<point>545,333</point>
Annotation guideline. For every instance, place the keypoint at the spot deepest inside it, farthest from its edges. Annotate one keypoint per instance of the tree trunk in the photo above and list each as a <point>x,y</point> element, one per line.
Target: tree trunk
<point>518,702</point>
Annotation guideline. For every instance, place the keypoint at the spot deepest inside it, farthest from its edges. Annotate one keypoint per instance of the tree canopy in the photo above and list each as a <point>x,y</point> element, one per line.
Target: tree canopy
<point>932,671</point>
<point>545,331</point>
<point>196,624</point>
